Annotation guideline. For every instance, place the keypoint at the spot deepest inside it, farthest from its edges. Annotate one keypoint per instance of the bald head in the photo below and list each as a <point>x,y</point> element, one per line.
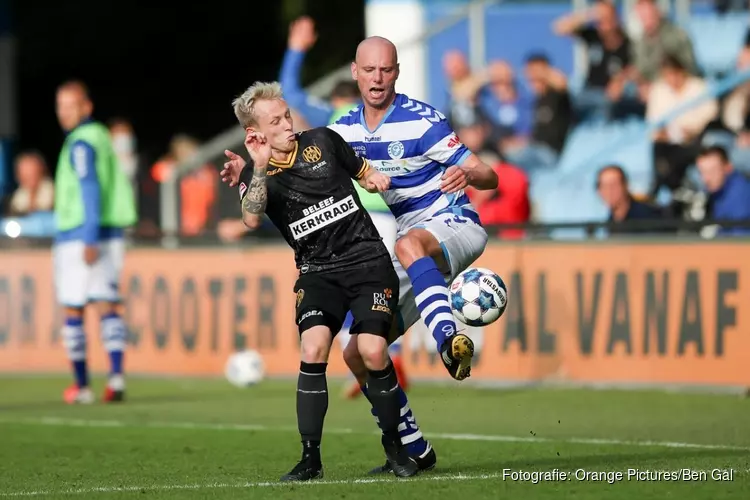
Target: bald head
<point>378,45</point>
<point>375,68</point>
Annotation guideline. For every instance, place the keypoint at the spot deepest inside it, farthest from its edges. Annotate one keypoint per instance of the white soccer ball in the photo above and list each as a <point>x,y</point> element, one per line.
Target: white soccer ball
<point>244,368</point>
<point>478,297</point>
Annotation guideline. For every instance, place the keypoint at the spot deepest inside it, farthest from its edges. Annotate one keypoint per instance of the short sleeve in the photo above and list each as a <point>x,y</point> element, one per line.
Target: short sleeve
<point>441,144</point>
<point>343,152</point>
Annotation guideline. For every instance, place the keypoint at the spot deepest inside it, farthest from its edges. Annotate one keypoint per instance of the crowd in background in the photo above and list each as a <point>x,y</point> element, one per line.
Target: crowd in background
<point>517,119</point>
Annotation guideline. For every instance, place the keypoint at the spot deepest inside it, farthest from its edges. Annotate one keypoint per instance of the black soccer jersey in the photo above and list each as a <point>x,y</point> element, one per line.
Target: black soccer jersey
<point>312,201</point>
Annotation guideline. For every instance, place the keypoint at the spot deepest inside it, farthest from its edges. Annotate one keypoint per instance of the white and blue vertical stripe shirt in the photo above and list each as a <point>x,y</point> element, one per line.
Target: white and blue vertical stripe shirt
<point>413,145</point>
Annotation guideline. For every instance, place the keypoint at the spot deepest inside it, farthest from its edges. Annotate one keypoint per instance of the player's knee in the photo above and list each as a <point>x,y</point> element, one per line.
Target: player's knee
<point>413,246</point>
<point>73,312</point>
<point>354,360</point>
<point>373,350</point>
<point>407,249</point>
<point>315,345</point>
<point>106,308</point>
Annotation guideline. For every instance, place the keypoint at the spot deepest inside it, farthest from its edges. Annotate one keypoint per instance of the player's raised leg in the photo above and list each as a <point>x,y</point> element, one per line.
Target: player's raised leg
<point>419,252</point>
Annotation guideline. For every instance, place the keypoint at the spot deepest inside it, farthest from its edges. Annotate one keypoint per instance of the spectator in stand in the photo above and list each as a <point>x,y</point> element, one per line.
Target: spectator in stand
<point>123,141</point>
<point>36,190</point>
<point>659,38</point>
<point>729,190</point>
<point>552,116</point>
<point>463,87</point>
<point>509,203</point>
<point>677,144</point>
<point>507,106</point>
<point>736,113</point>
<point>612,187</point>
<point>197,188</point>
<point>608,51</point>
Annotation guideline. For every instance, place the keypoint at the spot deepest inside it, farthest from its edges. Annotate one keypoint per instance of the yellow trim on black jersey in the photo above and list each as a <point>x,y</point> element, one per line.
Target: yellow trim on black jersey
<point>289,160</point>
<point>364,169</point>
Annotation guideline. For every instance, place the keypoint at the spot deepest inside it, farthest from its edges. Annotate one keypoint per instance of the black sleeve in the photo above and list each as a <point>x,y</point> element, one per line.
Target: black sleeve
<point>343,152</point>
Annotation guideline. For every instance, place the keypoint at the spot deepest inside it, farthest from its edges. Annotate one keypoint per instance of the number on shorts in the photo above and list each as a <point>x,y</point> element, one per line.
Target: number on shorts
<point>456,219</point>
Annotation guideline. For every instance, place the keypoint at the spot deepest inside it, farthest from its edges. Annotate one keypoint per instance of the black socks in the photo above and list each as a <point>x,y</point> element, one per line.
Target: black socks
<point>312,405</point>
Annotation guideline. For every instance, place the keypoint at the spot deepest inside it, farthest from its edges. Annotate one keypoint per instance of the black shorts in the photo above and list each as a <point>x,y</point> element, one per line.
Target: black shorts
<point>370,293</point>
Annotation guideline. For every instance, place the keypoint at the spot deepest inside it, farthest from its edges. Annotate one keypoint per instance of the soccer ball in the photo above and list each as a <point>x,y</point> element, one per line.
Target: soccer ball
<point>478,297</point>
<point>244,368</point>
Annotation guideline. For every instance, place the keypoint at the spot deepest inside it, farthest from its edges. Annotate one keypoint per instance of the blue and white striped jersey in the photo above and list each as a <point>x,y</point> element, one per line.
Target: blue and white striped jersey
<point>413,145</point>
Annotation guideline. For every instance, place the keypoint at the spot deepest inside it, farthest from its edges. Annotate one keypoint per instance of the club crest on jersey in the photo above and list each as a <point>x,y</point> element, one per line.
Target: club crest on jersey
<point>396,150</point>
<point>312,154</point>
<point>300,296</point>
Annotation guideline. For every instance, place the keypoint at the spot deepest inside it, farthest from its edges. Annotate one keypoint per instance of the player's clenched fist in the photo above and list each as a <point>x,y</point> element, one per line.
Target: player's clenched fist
<point>375,182</point>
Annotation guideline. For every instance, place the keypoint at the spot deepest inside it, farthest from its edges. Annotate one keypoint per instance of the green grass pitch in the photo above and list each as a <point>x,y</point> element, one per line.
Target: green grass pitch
<point>200,438</point>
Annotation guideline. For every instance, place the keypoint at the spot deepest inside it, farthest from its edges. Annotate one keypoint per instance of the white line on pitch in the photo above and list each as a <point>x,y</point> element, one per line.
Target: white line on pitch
<point>54,421</point>
<point>168,487</point>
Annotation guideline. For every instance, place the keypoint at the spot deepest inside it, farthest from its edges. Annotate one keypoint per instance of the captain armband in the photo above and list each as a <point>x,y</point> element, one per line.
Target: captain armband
<point>364,169</point>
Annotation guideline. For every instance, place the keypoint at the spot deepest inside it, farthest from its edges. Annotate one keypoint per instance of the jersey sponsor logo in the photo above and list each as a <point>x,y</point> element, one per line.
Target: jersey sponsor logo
<point>312,154</point>
<point>274,171</point>
<point>372,138</point>
<point>396,150</point>
<point>309,314</point>
<point>360,150</point>
<point>243,189</point>
<point>321,215</point>
<point>319,165</point>
<point>393,166</point>
<point>380,301</point>
<point>453,141</point>
<point>300,296</point>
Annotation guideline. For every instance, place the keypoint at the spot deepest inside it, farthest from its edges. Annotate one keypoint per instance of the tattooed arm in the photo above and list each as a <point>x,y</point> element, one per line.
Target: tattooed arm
<point>255,199</point>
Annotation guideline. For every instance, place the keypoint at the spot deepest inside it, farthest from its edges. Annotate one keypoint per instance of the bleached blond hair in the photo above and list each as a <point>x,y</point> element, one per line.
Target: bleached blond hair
<point>244,105</point>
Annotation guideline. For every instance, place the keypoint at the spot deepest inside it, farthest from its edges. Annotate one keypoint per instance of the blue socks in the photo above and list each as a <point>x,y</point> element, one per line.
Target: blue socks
<point>411,435</point>
<point>431,294</point>
<point>114,336</point>
<point>74,340</point>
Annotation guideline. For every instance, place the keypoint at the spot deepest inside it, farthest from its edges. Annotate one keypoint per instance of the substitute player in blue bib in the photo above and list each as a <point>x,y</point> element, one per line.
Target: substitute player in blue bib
<point>439,232</point>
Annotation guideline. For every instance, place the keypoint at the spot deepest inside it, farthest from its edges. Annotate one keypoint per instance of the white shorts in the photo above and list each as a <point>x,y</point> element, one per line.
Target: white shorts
<point>462,241</point>
<point>386,225</point>
<point>77,283</point>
